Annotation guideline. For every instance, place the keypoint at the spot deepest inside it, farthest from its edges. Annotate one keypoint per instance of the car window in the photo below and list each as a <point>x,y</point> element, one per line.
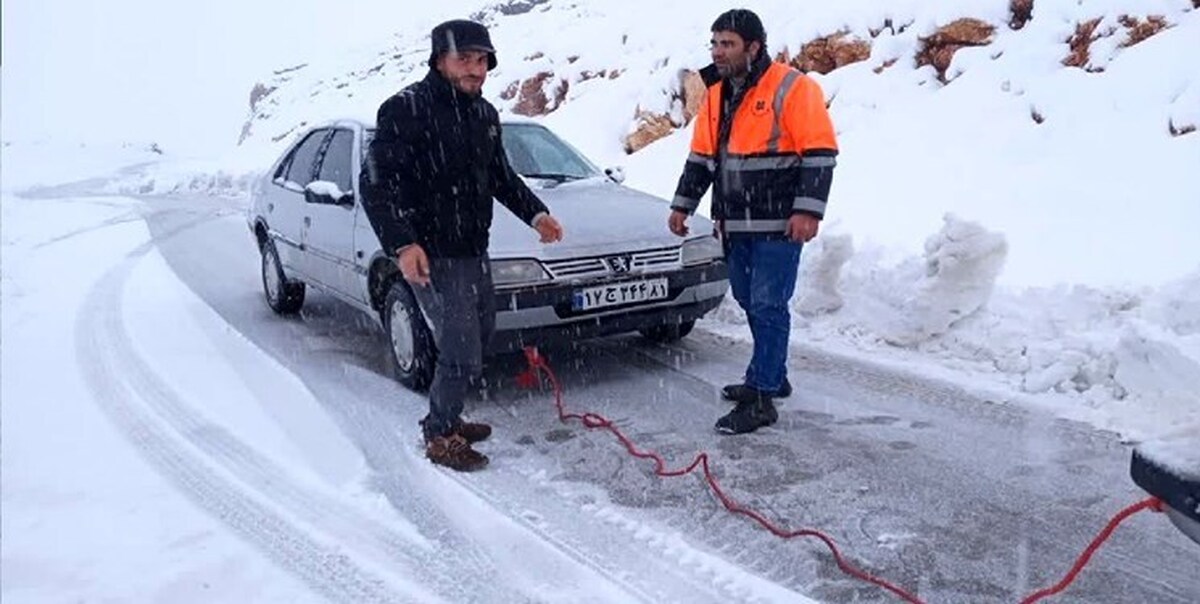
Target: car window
<point>301,166</point>
<point>336,165</point>
<point>533,150</point>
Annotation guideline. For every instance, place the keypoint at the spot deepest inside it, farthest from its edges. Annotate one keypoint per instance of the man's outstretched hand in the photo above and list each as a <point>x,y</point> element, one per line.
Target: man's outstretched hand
<point>677,223</point>
<point>548,229</point>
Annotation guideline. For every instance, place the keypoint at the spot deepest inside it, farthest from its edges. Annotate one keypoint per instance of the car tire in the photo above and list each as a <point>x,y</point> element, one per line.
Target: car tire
<point>411,348</point>
<point>283,296</point>
<point>671,332</point>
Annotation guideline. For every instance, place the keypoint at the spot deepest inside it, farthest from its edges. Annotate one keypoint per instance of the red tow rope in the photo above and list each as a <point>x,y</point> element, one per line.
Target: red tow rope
<point>1153,503</point>
<point>531,376</point>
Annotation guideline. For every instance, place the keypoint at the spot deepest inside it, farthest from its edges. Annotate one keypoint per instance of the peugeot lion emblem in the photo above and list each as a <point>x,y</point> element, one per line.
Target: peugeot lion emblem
<point>619,264</point>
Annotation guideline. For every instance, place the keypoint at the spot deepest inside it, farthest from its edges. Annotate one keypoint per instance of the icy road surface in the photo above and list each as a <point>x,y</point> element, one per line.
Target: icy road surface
<point>955,498</point>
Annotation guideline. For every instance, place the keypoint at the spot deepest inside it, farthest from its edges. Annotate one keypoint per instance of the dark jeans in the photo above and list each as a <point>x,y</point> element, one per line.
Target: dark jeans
<point>762,275</point>
<point>461,307</point>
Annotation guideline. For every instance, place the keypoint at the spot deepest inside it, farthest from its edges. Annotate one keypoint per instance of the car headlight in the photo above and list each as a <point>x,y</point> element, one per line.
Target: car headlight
<point>517,272</point>
<point>701,250</point>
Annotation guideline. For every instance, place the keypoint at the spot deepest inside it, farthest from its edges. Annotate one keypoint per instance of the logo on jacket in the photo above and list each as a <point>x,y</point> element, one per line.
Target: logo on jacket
<point>760,107</point>
<point>619,264</point>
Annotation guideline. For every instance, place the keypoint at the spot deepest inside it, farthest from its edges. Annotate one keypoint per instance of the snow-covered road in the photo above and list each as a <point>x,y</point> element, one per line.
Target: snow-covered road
<point>309,454</point>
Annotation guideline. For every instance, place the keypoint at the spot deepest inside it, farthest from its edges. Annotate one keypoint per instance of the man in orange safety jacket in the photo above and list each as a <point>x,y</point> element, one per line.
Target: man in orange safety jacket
<point>764,142</point>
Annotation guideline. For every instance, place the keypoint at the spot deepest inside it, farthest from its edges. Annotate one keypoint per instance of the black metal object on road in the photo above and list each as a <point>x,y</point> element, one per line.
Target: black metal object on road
<point>1180,494</point>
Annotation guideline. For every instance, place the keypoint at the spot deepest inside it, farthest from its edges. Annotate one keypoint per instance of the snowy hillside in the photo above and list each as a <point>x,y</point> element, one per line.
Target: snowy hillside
<point>1015,202</point>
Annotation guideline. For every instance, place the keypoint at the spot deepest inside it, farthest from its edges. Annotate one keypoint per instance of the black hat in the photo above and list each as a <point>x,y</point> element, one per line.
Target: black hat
<point>461,34</point>
<point>742,22</point>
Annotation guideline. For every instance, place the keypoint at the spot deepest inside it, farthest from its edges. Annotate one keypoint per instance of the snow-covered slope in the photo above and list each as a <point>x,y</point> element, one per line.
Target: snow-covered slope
<point>1016,197</point>
<point>1068,162</point>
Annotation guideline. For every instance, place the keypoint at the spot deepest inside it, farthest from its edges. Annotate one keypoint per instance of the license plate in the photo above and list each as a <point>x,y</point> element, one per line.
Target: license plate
<point>617,294</point>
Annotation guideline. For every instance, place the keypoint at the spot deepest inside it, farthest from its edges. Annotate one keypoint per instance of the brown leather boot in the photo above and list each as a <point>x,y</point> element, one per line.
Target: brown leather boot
<point>473,432</point>
<point>455,453</point>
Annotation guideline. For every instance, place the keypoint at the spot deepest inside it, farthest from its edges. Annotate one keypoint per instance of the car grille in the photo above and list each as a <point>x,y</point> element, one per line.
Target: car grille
<point>615,264</point>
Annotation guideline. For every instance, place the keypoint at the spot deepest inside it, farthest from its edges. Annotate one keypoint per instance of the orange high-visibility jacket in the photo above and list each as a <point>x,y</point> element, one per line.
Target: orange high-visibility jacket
<point>768,152</point>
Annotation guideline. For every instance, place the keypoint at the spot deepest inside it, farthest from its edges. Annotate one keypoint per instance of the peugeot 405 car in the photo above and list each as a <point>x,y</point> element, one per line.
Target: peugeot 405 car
<point>617,270</point>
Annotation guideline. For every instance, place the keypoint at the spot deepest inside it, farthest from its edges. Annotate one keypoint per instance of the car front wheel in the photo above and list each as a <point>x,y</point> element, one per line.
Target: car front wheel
<point>410,343</point>
<point>671,332</point>
<point>283,296</point>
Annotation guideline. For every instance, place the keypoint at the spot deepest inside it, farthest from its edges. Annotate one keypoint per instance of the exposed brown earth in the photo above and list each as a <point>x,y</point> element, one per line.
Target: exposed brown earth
<point>938,49</point>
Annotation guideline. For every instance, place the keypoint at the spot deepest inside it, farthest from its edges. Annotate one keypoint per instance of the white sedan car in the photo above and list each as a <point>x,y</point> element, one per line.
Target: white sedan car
<point>617,270</point>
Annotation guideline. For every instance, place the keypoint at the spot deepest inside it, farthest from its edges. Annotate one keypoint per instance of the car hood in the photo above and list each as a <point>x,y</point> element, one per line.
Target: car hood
<point>598,217</point>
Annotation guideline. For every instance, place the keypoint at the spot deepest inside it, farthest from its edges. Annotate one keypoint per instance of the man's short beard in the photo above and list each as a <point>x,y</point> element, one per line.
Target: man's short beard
<point>460,86</point>
<point>734,70</point>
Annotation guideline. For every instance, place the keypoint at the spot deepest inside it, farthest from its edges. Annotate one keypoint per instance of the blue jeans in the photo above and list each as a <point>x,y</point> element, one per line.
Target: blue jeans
<point>461,306</point>
<point>762,275</point>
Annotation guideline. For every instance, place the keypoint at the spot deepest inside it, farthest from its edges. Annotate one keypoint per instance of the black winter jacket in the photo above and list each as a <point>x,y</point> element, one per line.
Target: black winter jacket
<point>434,166</point>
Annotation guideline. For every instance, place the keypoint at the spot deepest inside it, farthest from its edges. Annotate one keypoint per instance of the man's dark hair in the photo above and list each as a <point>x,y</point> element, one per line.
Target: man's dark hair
<point>744,23</point>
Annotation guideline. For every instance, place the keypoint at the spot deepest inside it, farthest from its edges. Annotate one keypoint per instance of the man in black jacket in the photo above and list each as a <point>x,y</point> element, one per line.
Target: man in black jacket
<point>436,163</point>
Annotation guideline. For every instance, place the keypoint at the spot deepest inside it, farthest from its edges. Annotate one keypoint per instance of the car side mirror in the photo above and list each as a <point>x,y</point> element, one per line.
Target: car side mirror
<point>325,192</point>
<point>616,174</point>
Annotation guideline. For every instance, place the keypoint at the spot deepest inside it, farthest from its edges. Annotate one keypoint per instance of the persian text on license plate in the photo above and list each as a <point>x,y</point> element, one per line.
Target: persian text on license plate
<point>617,294</point>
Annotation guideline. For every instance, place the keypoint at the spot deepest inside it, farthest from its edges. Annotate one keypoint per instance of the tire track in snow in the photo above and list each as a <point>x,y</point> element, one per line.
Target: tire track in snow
<point>103,343</point>
<point>324,568</point>
<point>365,411</point>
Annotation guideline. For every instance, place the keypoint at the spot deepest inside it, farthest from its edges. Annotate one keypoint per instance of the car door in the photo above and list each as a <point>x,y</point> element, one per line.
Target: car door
<point>286,207</point>
<point>331,208</point>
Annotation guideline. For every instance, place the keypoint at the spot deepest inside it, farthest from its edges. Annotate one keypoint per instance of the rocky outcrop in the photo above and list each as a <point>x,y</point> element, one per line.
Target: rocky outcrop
<point>531,96</point>
<point>1139,31</point>
<point>487,15</point>
<point>1087,32</point>
<point>1020,12</point>
<point>885,65</point>
<point>1081,43</point>
<point>650,126</point>
<point>938,49</point>
<point>258,93</point>
<point>890,27</point>
<point>611,74</point>
<point>828,53</point>
<point>693,91</point>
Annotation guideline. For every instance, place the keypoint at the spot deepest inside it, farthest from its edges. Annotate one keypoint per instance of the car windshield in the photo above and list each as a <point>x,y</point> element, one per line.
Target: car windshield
<point>535,152</point>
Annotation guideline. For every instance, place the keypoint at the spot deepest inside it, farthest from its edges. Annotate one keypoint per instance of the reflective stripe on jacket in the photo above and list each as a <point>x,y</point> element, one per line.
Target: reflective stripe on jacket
<point>768,151</point>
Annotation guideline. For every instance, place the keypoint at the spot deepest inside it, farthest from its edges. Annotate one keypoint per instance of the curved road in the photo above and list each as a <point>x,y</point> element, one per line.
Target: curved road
<point>957,499</point>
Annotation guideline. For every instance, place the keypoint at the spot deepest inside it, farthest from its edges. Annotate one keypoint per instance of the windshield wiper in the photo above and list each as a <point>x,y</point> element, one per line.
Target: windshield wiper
<point>553,176</point>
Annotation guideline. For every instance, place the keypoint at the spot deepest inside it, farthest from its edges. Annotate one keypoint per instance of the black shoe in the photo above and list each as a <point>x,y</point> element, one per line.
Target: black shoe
<point>739,393</point>
<point>748,417</point>
<point>735,392</point>
<point>785,389</point>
